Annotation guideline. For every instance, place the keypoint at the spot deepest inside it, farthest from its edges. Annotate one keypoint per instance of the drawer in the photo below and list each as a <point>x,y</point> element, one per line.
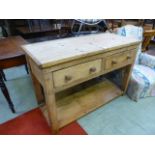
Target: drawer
<point>120,60</point>
<point>132,47</point>
<point>75,73</point>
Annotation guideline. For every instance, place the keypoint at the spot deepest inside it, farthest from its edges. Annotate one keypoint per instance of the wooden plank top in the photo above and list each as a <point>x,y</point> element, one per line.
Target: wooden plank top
<point>54,52</point>
<point>10,47</point>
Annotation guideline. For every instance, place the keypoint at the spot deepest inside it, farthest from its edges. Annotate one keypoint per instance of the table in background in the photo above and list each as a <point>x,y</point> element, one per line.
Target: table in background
<point>11,55</point>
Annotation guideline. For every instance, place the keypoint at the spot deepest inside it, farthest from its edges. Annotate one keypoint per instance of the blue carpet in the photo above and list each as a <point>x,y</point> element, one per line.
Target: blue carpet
<point>122,116</point>
<point>21,91</point>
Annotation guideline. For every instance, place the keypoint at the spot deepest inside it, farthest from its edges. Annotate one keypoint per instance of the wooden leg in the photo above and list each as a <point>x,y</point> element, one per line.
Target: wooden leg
<point>126,77</point>
<point>2,74</point>
<point>6,94</point>
<point>26,67</point>
<point>38,89</point>
<point>50,102</point>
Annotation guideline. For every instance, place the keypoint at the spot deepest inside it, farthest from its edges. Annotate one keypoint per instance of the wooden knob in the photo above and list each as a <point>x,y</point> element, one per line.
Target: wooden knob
<point>128,57</point>
<point>68,78</point>
<point>92,70</point>
<point>114,62</point>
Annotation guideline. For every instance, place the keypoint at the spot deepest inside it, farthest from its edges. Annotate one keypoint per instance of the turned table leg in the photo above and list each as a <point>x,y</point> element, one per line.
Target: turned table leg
<point>6,94</point>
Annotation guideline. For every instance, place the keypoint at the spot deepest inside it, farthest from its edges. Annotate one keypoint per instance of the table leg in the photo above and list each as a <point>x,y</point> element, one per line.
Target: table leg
<point>2,74</point>
<point>37,86</point>
<point>26,67</point>
<point>51,102</point>
<point>126,77</point>
<point>38,89</point>
<point>6,94</point>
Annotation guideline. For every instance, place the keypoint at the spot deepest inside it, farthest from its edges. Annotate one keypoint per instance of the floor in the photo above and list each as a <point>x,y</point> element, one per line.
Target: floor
<point>121,116</point>
<point>34,123</point>
<point>21,91</point>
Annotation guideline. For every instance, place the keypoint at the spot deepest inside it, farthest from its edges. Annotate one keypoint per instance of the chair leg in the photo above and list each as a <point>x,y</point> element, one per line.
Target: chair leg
<point>3,75</point>
<point>6,94</point>
<point>80,27</point>
<point>27,70</point>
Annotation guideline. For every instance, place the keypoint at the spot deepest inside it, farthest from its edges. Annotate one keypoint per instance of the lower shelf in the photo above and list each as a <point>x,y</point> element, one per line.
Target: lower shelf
<point>80,103</point>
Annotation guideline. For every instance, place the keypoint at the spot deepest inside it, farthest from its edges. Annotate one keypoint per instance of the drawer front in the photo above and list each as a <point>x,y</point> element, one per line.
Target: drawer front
<point>75,73</point>
<point>120,60</point>
<point>134,47</point>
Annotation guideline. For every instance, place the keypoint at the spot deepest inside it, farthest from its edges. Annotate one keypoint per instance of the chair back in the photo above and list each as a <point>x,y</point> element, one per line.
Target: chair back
<point>89,25</point>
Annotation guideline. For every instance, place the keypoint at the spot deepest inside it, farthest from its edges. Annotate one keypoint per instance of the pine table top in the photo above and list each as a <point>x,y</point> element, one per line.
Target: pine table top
<point>49,53</point>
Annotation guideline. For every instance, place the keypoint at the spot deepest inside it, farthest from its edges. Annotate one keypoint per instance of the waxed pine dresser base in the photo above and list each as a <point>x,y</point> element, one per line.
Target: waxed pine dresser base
<point>60,65</point>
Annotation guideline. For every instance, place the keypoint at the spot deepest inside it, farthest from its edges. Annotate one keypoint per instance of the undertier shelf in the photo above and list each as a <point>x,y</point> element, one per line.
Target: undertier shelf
<point>73,106</point>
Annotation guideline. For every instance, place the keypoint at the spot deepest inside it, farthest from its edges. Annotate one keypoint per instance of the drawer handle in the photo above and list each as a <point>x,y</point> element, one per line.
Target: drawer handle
<point>128,57</point>
<point>92,70</point>
<point>114,62</point>
<point>68,78</point>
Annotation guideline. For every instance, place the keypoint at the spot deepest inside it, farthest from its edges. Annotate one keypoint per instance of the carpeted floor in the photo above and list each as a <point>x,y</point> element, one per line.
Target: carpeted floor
<point>34,123</point>
<point>121,116</point>
<point>21,91</point>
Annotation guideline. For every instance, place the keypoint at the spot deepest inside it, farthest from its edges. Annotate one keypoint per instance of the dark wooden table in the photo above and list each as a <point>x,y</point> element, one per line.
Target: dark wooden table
<point>11,54</point>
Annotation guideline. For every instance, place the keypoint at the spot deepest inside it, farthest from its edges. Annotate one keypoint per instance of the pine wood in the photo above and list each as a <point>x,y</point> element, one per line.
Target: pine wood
<point>71,74</point>
<point>65,68</point>
<point>49,53</point>
<point>119,59</point>
<point>74,106</point>
<point>50,102</point>
<point>37,82</point>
